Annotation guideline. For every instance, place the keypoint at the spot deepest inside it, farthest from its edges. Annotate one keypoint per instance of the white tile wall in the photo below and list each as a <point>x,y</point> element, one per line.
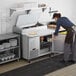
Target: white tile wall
<point>4,20</point>
<point>66,7</point>
<point>6,24</point>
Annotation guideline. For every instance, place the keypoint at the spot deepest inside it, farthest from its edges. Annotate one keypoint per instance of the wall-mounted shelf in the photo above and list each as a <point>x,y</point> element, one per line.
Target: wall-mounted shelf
<point>25,9</point>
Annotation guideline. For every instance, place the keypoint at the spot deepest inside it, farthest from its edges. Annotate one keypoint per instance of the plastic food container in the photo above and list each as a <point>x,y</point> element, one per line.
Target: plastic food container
<point>1,47</point>
<point>6,45</point>
<point>13,42</point>
<point>5,57</point>
<point>49,39</point>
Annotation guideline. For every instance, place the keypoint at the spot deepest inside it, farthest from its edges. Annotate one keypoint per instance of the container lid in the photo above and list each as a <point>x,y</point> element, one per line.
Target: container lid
<point>30,19</point>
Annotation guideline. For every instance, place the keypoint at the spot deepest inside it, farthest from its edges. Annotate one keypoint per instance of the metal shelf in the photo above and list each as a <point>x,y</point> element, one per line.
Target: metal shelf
<point>46,53</point>
<point>13,47</point>
<point>17,58</point>
<point>8,36</point>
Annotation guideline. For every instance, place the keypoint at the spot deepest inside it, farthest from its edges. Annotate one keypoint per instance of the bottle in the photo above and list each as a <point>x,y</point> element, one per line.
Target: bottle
<point>42,38</point>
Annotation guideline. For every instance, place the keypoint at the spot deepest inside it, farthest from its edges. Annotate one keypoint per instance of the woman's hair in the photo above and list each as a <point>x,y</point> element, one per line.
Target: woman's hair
<point>57,15</point>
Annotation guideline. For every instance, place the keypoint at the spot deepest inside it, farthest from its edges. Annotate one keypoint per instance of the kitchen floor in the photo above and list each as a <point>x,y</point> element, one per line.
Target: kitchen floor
<point>12,65</point>
<point>67,71</point>
<point>16,64</point>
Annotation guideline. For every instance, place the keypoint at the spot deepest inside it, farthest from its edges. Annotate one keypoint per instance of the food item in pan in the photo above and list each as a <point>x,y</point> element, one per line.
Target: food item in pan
<point>51,26</point>
<point>32,33</point>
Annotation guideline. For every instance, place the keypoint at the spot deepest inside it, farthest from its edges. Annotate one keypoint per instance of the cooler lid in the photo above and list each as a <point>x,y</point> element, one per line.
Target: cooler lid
<point>29,19</point>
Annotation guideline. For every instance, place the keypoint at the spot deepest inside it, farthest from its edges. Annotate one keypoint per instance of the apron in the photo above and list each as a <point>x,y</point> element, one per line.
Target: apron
<point>70,45</point>
<point>69,35</point>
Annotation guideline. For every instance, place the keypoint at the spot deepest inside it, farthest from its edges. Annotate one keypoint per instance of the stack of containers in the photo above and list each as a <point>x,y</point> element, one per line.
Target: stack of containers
<point>13,42</point>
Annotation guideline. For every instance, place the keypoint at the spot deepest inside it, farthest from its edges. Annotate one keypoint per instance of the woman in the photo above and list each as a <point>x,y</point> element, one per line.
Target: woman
<point>66,24</point>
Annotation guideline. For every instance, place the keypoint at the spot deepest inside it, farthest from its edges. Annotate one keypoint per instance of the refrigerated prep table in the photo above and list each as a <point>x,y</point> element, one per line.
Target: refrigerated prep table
<point>32,32</point>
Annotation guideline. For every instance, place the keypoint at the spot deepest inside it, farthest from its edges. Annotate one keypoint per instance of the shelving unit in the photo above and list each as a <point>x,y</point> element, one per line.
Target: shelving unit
<point>12,51</point>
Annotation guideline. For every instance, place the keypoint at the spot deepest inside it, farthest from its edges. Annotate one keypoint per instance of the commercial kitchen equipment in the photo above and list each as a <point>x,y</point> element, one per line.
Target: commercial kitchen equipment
<point>36,37</point>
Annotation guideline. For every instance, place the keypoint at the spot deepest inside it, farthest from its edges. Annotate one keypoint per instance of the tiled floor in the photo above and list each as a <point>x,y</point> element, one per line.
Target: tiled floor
<point>67,71</point>
<point>12,65</point>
